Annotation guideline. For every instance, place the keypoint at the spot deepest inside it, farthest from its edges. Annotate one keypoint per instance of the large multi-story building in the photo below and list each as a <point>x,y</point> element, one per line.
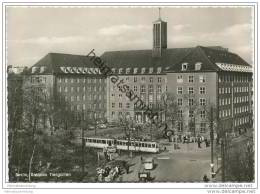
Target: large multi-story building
<point>197,77</point>
<point>72,80</point>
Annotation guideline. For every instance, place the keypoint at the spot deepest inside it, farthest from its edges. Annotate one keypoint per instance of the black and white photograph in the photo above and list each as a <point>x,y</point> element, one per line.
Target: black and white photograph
<point>129,94</point>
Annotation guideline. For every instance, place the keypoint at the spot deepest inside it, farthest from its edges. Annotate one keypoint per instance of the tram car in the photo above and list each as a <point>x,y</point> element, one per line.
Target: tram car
<point>134,145</point>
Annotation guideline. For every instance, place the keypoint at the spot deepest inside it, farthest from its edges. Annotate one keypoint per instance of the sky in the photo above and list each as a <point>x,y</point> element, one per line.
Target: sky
<point>33,32</point>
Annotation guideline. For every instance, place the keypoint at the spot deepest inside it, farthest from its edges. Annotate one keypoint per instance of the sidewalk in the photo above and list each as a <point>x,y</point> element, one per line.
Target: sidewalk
<point>184,147</point>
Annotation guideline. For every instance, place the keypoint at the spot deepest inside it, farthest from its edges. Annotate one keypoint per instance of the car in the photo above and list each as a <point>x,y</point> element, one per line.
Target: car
<point>102,126</point>
<point>148,164</point>
<point>112,125</point>
<point>91,127</point>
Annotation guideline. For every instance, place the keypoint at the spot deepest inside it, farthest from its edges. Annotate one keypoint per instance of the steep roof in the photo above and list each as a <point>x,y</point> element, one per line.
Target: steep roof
<point>142,61</point>
<point>144,58</point>
<point>212,59</point>
<point>54,62</point>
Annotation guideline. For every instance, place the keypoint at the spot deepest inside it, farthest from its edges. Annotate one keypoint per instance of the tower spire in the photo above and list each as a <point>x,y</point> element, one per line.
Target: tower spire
<point>159,13</point>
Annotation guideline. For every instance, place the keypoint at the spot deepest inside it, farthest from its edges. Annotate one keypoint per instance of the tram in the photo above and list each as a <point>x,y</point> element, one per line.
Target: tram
<point>120,144</point>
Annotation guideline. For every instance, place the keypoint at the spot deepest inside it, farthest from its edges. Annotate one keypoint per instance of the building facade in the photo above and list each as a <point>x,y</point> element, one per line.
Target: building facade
<point>199,78</point>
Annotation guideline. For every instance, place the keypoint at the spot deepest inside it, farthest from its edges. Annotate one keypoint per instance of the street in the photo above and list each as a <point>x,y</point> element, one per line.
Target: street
<point>188,164</point>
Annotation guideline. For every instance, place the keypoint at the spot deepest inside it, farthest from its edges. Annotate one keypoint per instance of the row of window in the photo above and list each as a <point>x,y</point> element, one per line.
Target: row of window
<point>202,125</point>
<point>202,79</point>
<point>80,107</point>
<point>202,113</point>
<point>84,97</point>
<point>227,101</point>
<point>151,79</point>
<point>128,105</point>
<point>135,70</point>
<point>241,109</point>
<point>191,101</point>
<point>227,90</point>
<point>235,78</point>
<point>241,121</point>
<point>184,66</point>
<point>202,90</point>
<point>39,79</point>
<point>240,99</point>
<point>82,89</point>
<point>81,80</point>
<point>224,113</point>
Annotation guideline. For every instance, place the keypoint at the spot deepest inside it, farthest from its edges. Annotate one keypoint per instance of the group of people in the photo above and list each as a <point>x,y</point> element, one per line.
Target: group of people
<point>206,141</point>
<point>108,174</point>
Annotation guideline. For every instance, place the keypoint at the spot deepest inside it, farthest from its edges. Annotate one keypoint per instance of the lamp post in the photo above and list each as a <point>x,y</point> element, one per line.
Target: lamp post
<point>212,142</point>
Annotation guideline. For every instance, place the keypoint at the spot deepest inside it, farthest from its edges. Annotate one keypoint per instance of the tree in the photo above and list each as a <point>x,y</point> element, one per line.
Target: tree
<point>240,162</point>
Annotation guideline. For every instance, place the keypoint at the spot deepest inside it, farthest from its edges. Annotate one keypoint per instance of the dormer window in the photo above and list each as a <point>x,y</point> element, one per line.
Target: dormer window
<point>159,69</point>
<point>184,66</point>
<point>42,69</point>
<point>198,66</point>
<point>127,70</point>
<point>135,70</point>
<point>151,70</point>
<point>120,70</point>
<point>143,70</point>
<point>34,69</point>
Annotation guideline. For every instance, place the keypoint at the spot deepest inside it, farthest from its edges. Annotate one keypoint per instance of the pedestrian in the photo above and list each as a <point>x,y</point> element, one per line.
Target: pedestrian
<point>199,143</point>
<point>205,178</point>
<point>206,142</point>
<point>127,169</point>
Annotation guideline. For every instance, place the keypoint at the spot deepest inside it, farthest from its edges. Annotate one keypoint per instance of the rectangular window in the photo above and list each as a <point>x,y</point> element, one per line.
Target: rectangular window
<point>179,102</point>
<point>135,88</point>
<point>191,79</point>
<point>150,89</point>
<point>179,113</point>
<point>202,114</point>
<point>135,79</point>
<point>202,127</point>
<point>202,101</point>
<point>128,105</point>
<point>191,113</point>
<point>191,101</point>
<point>142,89</point>
<point>159,88</point>
<point>179,79</point>
<point>184,66</point>
<point>179,90</point>
<point>143,79</point>
<point>151,79</point>
<point>159,79</point>
<point>113,105</point>
<point>120,105</point>
<point>202,90</point>
<point>72,89</point>
<point>202,79</point>
<point>190,90</point>
<point>180,126</point>
<point>72,98</point>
